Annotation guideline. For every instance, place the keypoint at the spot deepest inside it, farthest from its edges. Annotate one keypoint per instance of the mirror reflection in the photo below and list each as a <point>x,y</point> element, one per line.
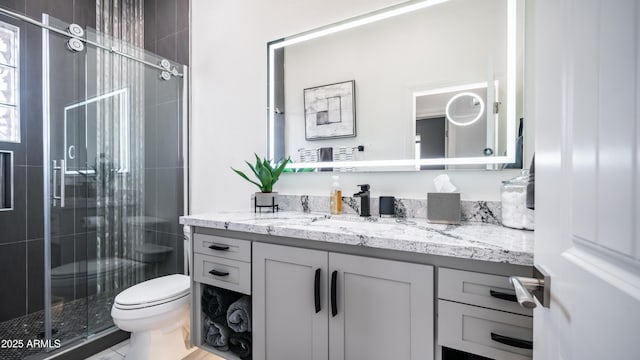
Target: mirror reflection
<point>456,123</point>
<point>435,87</point>
<point>81,148</point>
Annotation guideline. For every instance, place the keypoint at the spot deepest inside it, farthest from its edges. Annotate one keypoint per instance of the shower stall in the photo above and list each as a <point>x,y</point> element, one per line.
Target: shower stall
<point>109,147</point>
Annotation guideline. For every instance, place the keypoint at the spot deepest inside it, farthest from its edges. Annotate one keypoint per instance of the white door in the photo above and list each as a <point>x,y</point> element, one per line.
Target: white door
<point>384,309</point>
<point>287,325</point>
<point>587,99</point>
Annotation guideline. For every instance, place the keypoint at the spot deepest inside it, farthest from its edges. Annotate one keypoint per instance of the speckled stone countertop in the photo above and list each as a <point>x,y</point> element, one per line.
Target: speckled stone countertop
<point>470,240</point>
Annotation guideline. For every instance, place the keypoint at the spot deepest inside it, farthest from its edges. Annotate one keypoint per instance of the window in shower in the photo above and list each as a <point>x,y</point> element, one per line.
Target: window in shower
<point>9,83</point>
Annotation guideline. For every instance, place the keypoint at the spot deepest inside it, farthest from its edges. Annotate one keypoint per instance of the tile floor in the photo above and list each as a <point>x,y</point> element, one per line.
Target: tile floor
<point>69,322</point>
<point>119,351</point>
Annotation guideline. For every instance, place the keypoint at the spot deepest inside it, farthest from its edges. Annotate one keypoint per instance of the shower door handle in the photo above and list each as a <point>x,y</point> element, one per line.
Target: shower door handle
<point>59,168</point>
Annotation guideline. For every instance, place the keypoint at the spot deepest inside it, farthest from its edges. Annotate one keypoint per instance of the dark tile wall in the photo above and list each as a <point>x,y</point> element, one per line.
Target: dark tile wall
<point>166,31</point>
<point>22,229</point>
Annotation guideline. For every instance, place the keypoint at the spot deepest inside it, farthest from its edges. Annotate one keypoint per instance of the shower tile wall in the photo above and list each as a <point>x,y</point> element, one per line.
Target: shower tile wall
<point>166,30</point>
<point>21,230</point>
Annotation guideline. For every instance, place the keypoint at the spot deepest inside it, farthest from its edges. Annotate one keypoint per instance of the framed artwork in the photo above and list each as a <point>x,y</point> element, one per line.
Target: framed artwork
<point>330,111</point>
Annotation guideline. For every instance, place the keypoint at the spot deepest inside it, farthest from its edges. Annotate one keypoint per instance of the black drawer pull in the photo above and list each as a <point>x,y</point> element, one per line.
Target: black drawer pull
<point>334,295</point>
<point>218,247</point>
<point>316,291</point>
<point>522,344</point>
<point>503,296</point>
<point>218,273</point>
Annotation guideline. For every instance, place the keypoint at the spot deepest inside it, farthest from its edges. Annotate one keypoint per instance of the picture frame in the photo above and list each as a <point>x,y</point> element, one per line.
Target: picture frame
<point>330,111</point>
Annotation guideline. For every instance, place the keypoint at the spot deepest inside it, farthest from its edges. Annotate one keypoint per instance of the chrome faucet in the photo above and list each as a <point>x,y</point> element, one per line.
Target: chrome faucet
<point>365,202</point>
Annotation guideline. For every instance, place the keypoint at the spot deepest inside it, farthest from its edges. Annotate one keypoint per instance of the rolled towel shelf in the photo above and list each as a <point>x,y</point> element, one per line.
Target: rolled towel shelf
<point>239,315</point>
<point>240,344</point>
<point>216,334</point>
<point>216,302</point>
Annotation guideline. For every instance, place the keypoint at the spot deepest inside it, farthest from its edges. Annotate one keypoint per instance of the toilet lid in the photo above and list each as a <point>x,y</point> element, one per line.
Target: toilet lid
<point>154,292</point>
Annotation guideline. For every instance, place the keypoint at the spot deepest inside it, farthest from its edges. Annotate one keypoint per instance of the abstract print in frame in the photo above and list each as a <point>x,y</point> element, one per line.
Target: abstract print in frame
<point>330,111</point>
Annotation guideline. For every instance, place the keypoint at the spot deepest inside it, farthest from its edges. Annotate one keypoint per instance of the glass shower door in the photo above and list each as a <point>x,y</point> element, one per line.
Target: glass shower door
<point>115,143</point>
<point>67,190</point>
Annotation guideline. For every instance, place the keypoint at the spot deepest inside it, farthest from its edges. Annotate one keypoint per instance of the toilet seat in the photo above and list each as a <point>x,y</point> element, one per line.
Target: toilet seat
<point>154,292</point>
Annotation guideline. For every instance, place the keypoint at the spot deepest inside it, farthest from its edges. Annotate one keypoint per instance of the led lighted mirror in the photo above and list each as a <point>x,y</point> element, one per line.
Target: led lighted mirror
<point>396,70</point>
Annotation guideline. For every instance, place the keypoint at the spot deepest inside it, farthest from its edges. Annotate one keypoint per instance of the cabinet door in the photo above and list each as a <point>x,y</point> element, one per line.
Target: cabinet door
<point>384,309</point>
<point>285,322</point>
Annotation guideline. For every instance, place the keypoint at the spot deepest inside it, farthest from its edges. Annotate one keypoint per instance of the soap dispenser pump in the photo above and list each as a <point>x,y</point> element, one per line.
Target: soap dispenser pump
<point>335,202</point>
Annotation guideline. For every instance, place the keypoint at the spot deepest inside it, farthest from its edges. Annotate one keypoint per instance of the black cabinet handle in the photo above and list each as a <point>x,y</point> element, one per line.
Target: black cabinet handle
<point>218,247</point>
<point>522,344</point>
<point>316,291</point>
<point>218,273</point>
<point>334,300</point>
<point>503,296</point>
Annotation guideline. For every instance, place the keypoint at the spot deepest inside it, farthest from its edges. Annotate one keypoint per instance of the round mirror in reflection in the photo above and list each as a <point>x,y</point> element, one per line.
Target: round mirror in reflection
<point>464,109</point>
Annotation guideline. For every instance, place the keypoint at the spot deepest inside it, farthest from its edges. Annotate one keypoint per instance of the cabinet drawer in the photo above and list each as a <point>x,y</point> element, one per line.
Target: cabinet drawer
<point>483,331</point>
<point>478,289</point>
<point>222,247</point>
<point>238,277</point>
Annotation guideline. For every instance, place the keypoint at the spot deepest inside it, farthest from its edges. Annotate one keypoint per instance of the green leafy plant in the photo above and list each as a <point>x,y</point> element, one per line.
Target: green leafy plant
<point>266,174</point>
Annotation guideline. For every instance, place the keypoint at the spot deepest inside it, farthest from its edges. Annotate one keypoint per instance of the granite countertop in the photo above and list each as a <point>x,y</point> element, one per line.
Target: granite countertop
<point>470,240</point>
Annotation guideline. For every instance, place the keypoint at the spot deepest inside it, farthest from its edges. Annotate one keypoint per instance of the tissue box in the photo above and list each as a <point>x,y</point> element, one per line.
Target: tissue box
<point>443,208</point>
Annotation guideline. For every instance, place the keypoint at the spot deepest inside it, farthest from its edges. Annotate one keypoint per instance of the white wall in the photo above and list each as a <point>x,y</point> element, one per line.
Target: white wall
<point>229,92</point>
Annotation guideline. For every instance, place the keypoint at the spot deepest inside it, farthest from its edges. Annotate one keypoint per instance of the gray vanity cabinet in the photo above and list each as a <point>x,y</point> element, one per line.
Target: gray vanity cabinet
<point>384,309</point>
<point>285,322</point>
<point>358,308</point>
<point>478,313</point>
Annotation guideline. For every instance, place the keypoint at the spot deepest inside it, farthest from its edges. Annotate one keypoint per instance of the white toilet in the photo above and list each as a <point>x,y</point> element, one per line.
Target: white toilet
<point>156,312</point>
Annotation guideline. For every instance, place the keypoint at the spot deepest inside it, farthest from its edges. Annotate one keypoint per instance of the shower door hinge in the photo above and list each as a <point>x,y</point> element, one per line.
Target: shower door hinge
<point>75,30</point>
<point>75,43</point>
<point>496,107</point>
<point>167,70</point>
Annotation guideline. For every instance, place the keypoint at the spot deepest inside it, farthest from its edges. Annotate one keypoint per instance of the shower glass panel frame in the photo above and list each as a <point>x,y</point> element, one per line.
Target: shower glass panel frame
<point>114,140</point>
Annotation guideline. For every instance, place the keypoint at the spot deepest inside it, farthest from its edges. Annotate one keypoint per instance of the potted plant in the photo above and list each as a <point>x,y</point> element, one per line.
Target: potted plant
<point>267,175</point>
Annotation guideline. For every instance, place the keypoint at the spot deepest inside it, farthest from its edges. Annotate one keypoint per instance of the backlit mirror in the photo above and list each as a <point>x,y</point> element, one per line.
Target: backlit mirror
<point>433,84</point>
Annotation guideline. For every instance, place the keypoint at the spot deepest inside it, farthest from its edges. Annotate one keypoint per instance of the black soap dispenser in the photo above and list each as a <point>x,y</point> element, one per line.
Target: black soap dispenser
<point>387,206</point>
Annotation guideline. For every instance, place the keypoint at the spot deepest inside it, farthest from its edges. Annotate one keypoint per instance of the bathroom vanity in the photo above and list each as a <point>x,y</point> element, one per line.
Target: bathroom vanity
<point>344,287</point>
